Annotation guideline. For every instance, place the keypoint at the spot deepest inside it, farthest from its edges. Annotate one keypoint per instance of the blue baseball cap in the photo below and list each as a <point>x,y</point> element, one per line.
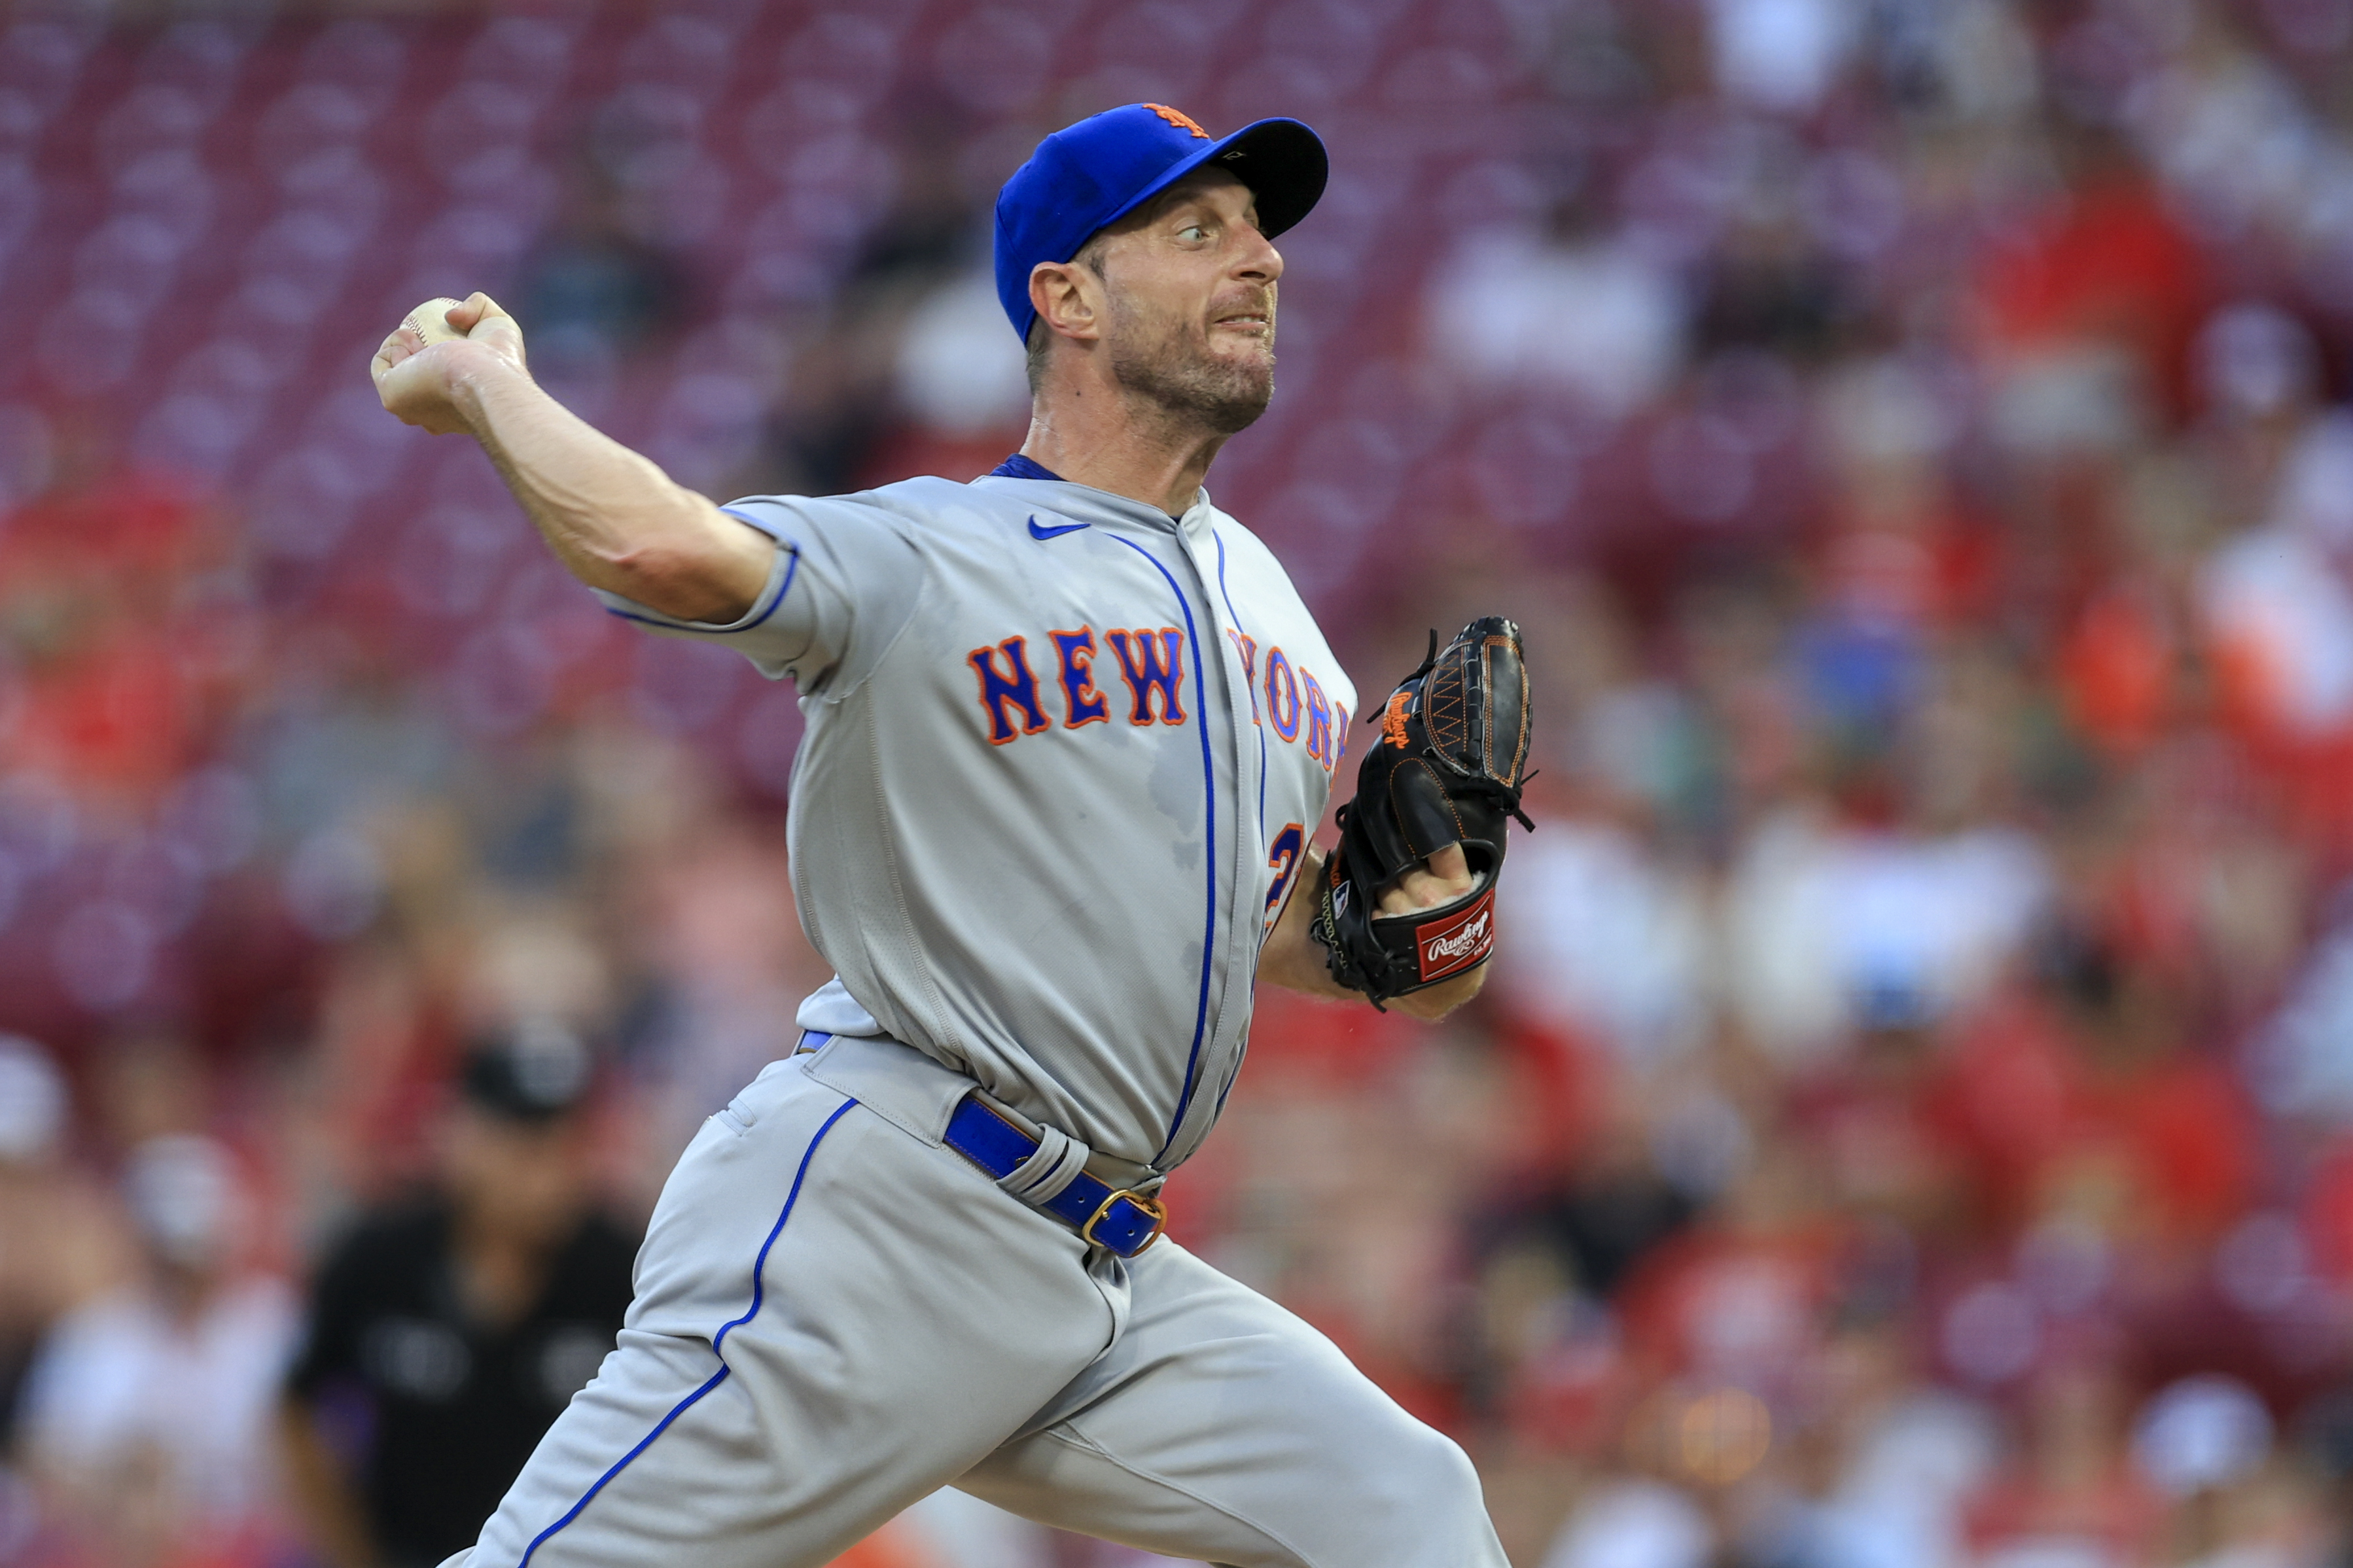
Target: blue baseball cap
<point>1104,167</point>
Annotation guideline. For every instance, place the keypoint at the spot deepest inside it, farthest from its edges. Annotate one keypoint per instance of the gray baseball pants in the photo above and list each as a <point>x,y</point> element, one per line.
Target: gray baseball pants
<point>837,1315</point>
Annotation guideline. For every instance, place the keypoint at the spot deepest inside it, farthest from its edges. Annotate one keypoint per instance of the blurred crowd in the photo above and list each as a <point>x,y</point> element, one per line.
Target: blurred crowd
<point>1912,1123</point>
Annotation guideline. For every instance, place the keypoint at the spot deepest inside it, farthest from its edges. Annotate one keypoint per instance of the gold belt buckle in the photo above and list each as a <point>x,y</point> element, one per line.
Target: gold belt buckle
<point>1152,1206</point>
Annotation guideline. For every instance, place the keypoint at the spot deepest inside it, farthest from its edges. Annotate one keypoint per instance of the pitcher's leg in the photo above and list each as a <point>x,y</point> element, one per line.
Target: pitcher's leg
<point>833,1319</point>
<point>1221,1427</point>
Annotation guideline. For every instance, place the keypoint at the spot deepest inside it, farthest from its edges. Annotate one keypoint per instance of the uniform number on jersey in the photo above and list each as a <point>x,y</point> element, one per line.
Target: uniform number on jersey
<point>1289,845</point>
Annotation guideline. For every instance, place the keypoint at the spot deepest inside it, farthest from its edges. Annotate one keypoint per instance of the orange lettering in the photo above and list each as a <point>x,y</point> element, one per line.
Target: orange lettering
<point>1180,120</point>
<point>1393,728</point>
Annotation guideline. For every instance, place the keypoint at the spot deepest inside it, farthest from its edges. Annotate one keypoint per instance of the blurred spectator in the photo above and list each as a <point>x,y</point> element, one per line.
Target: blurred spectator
<point>1835,925</point>
<point>597,285</point>
<point>2069,1493</point>
<point>959,375</point>
<point>840,418</point>
<point>61,1240</point>
<point>1616,946</point>
<point>1635,1524</point>
<point>448,1331</point>
<point>1780,55</point>
<point>2278,597</point>
<point>1572,306</point>
<point>147,1414</point>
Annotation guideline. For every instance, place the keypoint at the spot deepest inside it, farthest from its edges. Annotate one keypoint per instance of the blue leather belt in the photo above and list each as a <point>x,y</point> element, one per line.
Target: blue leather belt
<point>1113,1218</point>
<point>1108,1217</point>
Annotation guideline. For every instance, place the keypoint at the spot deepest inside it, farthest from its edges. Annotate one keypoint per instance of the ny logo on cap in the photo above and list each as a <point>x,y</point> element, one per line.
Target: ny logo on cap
<point>1179,119</point>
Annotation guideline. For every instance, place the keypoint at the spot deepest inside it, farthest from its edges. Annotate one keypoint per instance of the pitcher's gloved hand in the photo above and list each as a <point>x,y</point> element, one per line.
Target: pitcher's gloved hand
<point>1446,772</point>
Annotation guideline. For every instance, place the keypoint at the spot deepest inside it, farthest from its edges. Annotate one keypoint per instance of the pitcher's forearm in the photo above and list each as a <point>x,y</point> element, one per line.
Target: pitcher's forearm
<point>1432,1003</point>
<point>613,517</point>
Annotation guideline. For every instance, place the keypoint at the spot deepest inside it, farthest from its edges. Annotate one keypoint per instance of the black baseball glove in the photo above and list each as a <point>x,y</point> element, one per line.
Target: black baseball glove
<point>1447,769</point>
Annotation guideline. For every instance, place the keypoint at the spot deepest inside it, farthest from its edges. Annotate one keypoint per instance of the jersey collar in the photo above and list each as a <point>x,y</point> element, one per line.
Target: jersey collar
<point>1021,466</point>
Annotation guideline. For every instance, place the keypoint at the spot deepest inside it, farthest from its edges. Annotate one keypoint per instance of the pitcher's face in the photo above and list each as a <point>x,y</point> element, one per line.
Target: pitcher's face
<point>1189,315</point>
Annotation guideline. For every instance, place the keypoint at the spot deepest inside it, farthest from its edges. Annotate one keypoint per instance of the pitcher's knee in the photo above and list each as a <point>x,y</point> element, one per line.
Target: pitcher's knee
<point>1425,1496</point>
<point>1449,1483</point>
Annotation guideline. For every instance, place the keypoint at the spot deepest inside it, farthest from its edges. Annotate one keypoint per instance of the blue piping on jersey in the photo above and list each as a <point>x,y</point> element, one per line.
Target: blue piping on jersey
<point>792,567</point>
<point>759,1294</point>
<point>1209,846</point>
<point>1249,680</point>
<point>1250,683</point>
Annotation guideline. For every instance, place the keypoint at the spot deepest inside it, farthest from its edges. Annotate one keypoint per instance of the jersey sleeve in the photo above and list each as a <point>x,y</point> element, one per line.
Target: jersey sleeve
<point>845,581</point>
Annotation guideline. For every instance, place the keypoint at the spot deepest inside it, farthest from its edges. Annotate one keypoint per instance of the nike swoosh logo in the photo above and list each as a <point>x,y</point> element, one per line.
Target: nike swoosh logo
<point>1038,533</point>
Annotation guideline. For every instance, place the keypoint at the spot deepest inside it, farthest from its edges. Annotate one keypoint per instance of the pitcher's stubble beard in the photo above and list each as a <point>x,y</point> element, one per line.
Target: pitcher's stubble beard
<point>1169,362</point>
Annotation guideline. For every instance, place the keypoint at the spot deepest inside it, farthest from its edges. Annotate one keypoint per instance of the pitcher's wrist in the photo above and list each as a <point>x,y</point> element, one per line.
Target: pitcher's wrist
<point>480,372</point>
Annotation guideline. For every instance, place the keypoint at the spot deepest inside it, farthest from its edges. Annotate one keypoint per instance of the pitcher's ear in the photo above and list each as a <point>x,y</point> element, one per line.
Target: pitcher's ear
<point>1067,297</point>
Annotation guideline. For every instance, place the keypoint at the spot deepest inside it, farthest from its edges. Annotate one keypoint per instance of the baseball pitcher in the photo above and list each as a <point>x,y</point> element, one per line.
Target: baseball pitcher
<point>1069,732</point>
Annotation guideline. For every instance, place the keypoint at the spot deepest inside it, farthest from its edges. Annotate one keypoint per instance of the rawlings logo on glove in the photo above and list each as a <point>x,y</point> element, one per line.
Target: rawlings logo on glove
<point>1453,751</point>
<point>1464,946</point>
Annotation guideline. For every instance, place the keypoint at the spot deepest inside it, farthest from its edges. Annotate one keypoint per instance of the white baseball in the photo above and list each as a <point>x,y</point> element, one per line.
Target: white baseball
<point>431,321</point>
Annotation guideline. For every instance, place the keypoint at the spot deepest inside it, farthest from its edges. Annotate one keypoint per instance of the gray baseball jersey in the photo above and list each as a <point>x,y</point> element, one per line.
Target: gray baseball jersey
<point>1063,756</point>
<point>1063,752</point>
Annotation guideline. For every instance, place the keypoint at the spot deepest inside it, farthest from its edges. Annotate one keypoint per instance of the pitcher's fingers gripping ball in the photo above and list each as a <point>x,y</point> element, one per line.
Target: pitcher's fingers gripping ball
<point>1447,769</point>
<point>430,320</point>
<point>412,382</point>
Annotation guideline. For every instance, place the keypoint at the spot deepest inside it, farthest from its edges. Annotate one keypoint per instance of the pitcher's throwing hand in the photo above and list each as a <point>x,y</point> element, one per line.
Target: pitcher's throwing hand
<point>420,366</point>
